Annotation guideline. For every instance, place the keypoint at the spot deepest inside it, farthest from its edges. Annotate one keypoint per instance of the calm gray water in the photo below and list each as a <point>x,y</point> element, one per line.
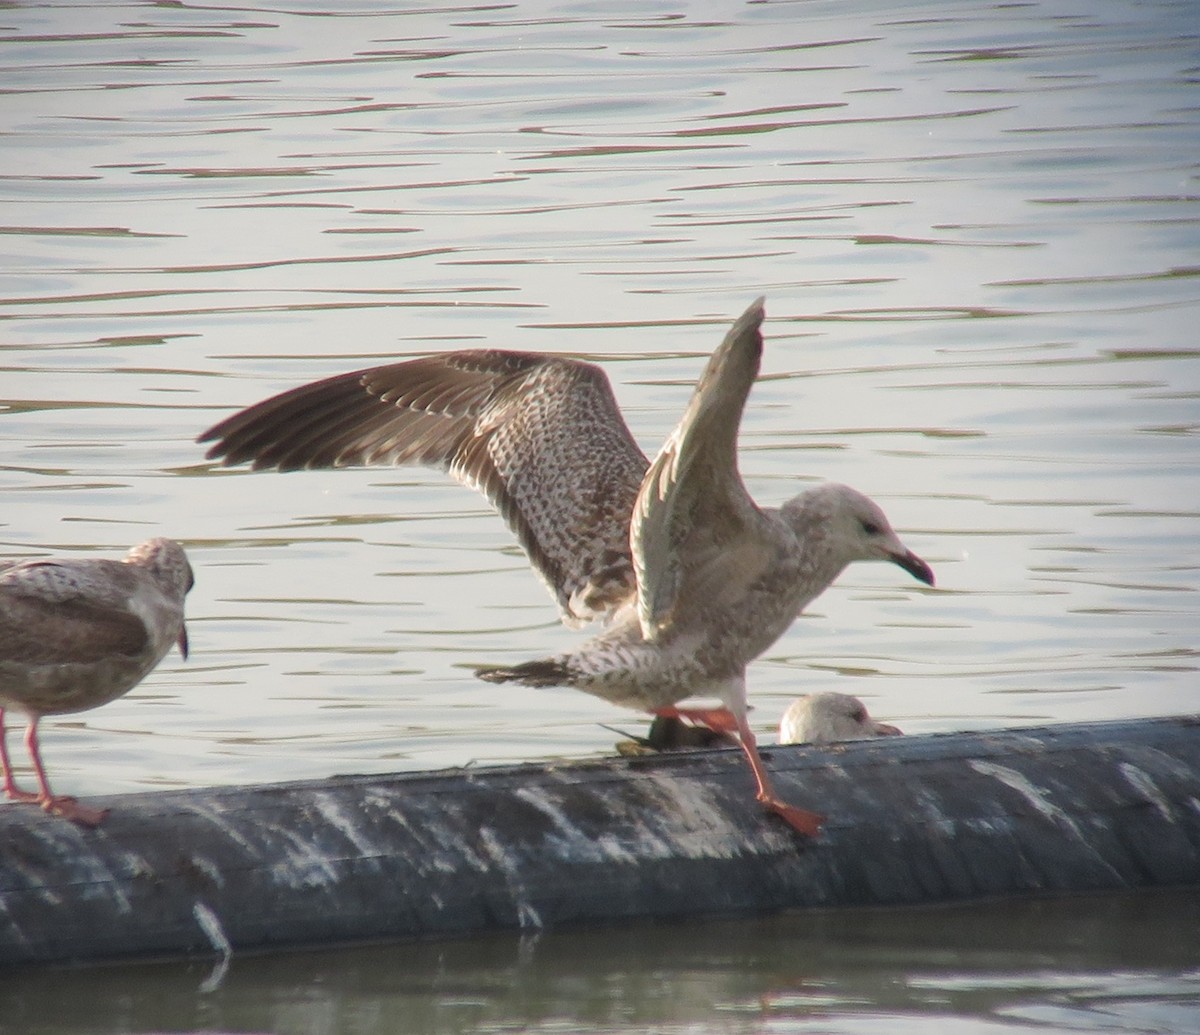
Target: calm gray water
<point>977,230</point>
<point>1109,964</point>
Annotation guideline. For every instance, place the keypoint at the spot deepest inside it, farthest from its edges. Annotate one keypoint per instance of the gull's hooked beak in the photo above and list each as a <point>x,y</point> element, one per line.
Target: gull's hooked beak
<point>884,729</point>
<point>913,564</point>
<point>182,642</point>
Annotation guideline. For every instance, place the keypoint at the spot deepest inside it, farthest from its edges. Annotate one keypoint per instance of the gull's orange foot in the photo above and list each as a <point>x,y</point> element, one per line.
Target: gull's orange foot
<point>807,823</point>
<point>70,809</point>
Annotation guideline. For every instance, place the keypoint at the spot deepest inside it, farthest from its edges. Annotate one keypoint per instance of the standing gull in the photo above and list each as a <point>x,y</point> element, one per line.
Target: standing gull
<point>691,578</point>
<point>78,633</point>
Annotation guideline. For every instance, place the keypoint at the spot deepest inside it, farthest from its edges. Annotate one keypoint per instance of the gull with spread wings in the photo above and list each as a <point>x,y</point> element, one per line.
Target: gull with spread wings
<point>691,579</point>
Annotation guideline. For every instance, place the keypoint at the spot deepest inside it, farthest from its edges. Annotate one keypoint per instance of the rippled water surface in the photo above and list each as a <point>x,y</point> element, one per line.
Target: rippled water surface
<point>976,227</point>
<point>1074,965</point>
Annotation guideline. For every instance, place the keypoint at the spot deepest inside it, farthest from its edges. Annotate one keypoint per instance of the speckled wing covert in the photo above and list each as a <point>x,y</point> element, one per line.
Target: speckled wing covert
<point>540,436</point>
<point>51,611</point>
<point>693,513</point>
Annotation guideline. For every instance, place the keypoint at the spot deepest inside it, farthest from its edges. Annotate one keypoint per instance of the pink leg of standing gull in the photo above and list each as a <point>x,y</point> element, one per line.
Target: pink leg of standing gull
<point>724,721</point>
<point>11,790</point>
<point>56,805</point>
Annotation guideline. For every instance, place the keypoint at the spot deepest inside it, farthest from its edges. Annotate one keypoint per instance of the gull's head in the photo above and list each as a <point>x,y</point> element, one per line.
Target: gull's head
<point>167,565</point>
<point>826,718</point>
<point>852,527</point>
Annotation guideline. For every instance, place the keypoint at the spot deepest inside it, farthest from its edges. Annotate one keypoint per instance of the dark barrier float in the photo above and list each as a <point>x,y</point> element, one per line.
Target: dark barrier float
<point>916,819</point>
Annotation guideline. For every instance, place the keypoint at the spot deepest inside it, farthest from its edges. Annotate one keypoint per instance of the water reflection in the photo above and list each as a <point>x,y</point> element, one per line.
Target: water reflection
<point>1120,962</point>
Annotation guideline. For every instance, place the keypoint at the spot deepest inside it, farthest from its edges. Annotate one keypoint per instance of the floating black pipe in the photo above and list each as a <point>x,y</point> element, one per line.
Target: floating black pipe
<point>910,819</point>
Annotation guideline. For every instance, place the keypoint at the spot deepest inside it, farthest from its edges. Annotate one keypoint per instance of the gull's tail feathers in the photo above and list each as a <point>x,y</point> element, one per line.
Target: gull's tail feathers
<point>544,672</point>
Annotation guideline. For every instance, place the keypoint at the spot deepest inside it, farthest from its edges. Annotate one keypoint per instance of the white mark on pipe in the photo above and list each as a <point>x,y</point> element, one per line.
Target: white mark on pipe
<point>528,917</point>
<point>1026,788</point>
<point>301,864</point>
<point>344,822</point>
<point>1141,780</point>
<point>225,826</point>
<point>209,869</point>
<point>935,815</point>
<point>210,924</point>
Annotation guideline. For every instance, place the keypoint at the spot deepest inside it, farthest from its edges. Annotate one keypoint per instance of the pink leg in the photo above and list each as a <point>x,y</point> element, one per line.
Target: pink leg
<point>724,721</point>
<point>11,790</point>
<point>806,822</point>
<point>63,806</point>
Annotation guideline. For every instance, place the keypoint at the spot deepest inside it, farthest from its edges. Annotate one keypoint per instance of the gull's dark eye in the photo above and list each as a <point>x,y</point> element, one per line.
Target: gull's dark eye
<point>870,528</point>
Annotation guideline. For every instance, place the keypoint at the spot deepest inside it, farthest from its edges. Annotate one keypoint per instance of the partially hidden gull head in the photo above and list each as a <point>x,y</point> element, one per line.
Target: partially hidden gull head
<point>829,717</point>
<point>842,526</point>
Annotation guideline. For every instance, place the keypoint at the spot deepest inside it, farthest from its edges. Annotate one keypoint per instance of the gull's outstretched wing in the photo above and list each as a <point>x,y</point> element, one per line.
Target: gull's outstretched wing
<point>540,436</point>
<point>693,512</point>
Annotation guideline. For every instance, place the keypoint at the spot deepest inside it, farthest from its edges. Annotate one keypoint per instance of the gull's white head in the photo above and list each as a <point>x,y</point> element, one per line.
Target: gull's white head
<point>850,527</point>
<point>829,717</point>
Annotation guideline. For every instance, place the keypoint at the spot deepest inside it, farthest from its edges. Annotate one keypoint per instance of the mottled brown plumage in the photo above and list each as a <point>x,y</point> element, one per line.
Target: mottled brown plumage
<point>693,578</point>
<point>76,633</point>
<point>495,421</point>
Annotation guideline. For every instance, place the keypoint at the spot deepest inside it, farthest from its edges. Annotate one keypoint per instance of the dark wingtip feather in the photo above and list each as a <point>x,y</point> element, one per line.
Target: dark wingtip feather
<point>545,672</point>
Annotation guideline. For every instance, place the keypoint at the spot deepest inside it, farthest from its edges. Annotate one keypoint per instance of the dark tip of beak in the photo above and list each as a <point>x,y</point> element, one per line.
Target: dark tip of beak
<point>916,567</point>
<point>182,642</point>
